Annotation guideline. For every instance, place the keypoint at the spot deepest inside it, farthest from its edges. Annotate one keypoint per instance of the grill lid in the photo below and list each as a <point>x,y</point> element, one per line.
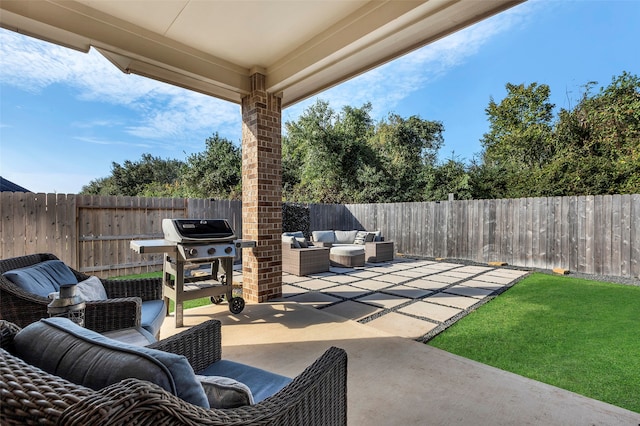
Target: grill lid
<point>197,230</point>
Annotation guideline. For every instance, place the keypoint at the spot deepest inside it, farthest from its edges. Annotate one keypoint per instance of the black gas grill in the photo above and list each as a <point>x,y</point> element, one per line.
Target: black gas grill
<point>188,245</point>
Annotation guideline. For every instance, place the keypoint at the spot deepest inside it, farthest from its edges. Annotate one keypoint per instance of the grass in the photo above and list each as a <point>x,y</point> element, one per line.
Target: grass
<point>576,334</point>
<point>187,304</point>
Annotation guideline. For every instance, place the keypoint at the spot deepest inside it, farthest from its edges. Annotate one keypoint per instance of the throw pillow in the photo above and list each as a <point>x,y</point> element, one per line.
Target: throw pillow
<point>370,237</point>
<point>224,392</point>
<point>91,289</point>
<point>302,242</point>
<point>291,240</point>
<point>361,237</point>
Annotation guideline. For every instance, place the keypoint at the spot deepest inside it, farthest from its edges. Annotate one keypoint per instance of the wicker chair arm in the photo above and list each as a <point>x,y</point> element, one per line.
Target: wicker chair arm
<point>113,314</point>
<point>317,397</point>
<point>145,288</point>
<point>32,396</point>
<point>201,344</point>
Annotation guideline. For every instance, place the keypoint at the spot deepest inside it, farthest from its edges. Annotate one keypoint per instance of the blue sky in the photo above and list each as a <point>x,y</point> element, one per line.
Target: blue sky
<point>66,116</point>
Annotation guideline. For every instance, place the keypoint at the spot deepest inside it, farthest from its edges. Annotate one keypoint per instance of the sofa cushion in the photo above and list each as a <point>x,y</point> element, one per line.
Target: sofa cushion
<point>262,383</point>
<point>224,392</point>
<point>324,236</point>
<point>82,356</point>
<point>153,313</point>
<point>345,237</point>
<point>42,278</point>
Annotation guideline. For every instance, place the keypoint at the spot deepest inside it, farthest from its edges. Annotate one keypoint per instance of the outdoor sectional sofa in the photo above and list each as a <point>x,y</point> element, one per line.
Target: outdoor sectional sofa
<point>354,247</point>
<point>56,372</point>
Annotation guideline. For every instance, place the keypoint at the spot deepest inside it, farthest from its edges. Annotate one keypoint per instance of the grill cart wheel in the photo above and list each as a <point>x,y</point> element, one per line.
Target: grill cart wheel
<point>236,305</point>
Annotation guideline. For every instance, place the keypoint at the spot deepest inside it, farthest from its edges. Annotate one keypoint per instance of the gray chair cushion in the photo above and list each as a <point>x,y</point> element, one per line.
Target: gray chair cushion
<point>262,383</point>
<point>42,278</point>
<point>153,313</point>
<point>84,357</point>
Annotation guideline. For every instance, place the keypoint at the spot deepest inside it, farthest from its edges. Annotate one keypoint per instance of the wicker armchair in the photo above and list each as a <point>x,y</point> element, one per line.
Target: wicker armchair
<point>318,396</point>
<point>121,310</point>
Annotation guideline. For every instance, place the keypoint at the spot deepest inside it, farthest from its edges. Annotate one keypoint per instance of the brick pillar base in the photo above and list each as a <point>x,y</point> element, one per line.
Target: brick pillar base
<point>261,192</point>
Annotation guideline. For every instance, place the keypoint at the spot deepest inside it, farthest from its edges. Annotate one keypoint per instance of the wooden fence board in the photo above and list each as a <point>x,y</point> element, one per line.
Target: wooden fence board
<point>634,236</point>
<point>614,265</point>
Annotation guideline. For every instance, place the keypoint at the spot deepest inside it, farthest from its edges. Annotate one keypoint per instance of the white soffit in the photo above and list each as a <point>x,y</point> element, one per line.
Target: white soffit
<point>212,46</point>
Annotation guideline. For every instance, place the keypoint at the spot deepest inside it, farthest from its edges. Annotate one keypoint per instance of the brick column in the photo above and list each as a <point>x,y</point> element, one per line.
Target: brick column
<point>261,192</point>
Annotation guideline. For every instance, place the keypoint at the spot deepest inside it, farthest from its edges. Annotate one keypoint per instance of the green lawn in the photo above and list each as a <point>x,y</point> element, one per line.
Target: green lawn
<point>579,335</point>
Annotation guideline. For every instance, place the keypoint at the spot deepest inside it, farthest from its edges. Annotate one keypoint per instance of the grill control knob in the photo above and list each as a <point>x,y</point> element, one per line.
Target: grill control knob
<point>211,250</point>
<point>228,249</point>
<point>192,252</point>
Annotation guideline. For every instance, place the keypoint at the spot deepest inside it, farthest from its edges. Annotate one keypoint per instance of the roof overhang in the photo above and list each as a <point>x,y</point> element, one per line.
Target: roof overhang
<point>301,46</point>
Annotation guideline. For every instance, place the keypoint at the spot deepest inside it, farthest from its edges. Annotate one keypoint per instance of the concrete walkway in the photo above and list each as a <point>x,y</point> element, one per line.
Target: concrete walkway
<point>394,380</point>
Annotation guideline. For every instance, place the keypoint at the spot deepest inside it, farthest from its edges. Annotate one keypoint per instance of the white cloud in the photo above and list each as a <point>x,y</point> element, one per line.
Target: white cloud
<point>386,86</point>
<point>98,141</point>
<point>163,111</point>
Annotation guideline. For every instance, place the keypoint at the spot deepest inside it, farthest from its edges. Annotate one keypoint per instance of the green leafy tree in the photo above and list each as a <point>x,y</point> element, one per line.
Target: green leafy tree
<point>134,178</point>
<point>519,142</point>
<point>214,173</point>
<point>408,150</point>
<point>598,142</point>
<point>323,153</point>
<point>451,177</point>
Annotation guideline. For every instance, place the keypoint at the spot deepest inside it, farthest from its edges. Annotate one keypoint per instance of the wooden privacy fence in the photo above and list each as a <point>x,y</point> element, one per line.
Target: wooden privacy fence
<point>590,234</point>
<point>93,233</point>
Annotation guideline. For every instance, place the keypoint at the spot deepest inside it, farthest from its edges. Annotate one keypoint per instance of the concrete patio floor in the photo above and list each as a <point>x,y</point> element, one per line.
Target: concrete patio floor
<point>392,379</point>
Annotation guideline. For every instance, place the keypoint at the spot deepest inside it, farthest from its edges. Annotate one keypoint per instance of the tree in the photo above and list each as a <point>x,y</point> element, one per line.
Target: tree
<point>323,153</point>
<point>519,142</point>
<point>214,173</point>
<point>136,178</point>
<point>599,142</point>
<point>408,150</point>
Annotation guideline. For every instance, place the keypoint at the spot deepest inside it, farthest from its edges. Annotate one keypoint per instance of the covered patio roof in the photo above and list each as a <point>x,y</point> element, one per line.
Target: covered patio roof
<point>302,47</point>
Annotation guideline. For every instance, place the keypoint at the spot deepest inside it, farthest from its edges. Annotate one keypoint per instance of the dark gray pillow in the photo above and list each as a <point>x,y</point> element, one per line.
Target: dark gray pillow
<point>61,347</point>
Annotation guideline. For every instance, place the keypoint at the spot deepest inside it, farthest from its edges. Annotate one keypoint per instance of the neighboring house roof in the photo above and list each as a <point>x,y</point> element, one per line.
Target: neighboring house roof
<point>8,186</point>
